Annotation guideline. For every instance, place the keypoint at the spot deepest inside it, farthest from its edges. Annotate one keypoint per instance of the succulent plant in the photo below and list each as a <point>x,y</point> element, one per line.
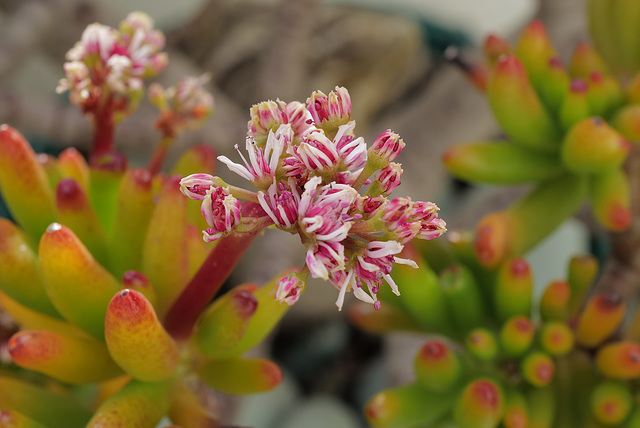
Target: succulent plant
<point>614,29</point>
<point>113,286</point>
<point>496,357</point>
<point>569,132</point>
<point>100,252</point>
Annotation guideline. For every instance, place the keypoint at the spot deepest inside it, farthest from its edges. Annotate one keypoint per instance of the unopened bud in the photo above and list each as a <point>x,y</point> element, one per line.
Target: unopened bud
<point>290,288</point>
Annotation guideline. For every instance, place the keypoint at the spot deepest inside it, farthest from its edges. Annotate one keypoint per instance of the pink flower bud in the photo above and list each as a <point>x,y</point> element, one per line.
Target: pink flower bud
<point>195,186</point>
<point>135,21</point>
<point>299,118</point>
<point>290,288</point>
<point>389,177</point>
<point>265,117</point>
<point>387,146</point>
<point>281,205</point>
<point>317,152</point>
<point>332,110</point>
<point>432,229</point>
<point>222,213</point>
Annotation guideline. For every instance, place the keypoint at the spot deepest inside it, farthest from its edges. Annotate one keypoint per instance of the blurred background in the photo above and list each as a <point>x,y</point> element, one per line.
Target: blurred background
<point>387,53</point>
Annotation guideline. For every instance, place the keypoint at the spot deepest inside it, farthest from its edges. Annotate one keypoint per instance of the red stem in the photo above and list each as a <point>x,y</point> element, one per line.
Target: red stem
<point>103,127</point>
<point>159,154</point>
<point>185,311</point>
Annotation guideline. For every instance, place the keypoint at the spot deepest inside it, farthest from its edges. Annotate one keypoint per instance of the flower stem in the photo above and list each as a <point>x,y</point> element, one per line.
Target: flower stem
<point>160,154</point>
<point>184,312</point>
<point>103,128</point>
<point>369,168</point>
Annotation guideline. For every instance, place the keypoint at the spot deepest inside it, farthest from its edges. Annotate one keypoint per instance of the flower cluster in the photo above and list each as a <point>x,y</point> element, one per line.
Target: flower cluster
<point>108,65</point>
<point>308,169</point>
<point>184,106</point>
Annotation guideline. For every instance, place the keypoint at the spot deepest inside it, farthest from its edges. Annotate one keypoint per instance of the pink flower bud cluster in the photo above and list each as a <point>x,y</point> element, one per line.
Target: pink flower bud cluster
<point>183,107</point>
<point>308,175</point>
<point>113,62</point>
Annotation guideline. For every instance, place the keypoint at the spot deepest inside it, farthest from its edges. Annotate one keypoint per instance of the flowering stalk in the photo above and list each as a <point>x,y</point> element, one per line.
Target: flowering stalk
<point>184,312</point>
<point>105,71</point>
<point>103,128</point>
<point>308,168</point>
<point>182,107</point>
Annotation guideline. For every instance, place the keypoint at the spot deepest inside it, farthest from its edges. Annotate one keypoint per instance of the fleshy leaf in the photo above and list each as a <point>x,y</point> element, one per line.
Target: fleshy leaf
<point>19,270</point>
<point>11,419</point>
<point>600,318</point>
<point>72,359</point>
<point>76,213</point>
<point>610,199</point>
<point>265,318</point>
<point>513,232</point>
<point>407,405</point>
<point>619,360</point>
<point>131,224</point>
<point>462,297</point>
<point>437,366</point>
<point>78,286</point>
<point>106,172</point>
<point>386,320</point>
<point>516,336</point>
<point>513,289</point>
<point>241,375</point>
<point>73,165</point>
<point>187,410</point>
<point>41,405</point>
<point>499,163</point>
<point>537,368</point>
<point>480,405</point>
<point>167,270</point>
<point>136,339</point>
<point>225,322</point>
<point>592,146</point>
<point>24,184</point>
<point>554,303</point>
<point>32,319</point>
<point>420,293</point>
<point>138,404</point>
<point>518,109</point>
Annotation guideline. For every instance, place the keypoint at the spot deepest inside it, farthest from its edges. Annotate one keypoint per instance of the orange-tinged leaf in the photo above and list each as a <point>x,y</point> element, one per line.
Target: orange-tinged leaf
<point>408,405</point>
<point>19,270</point>
<point>167,270</point>
<point>518,108</point>
<point>138,404</point>
<point>32,319</point>
<point>480,404</point>
<point>225,322</point>
<point>72,164</point>
<point>187,410</point>
<point>619,360</point>
<point>76,213</point>
<point>79,287</point>
<point>72,359</point>
<point>136,339</point>
<point>600,318</point>
<point>11,419</point>
<point>241,375</point>
<point>131,223</point>
<point>24,184</point>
